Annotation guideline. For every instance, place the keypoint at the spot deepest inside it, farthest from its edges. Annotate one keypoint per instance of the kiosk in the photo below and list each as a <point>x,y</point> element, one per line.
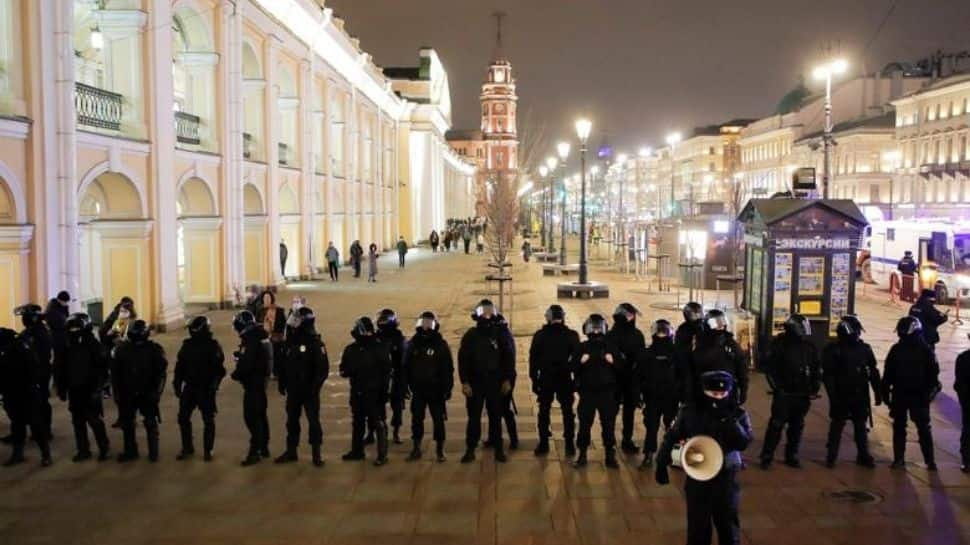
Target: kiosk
<point>800,257</point>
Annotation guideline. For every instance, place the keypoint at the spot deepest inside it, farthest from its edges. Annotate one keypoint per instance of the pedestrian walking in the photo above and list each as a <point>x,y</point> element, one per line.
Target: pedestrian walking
<point>402,250</point>
<point>356,255</point>
<point>333,262</point>
<point>372,263</point>
<point>434,240</point>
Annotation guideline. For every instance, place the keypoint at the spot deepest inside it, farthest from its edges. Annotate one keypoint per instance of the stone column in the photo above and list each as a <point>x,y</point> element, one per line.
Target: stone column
<point>231,126</point>
<point>308,164</point>
<point>351,164</point>
<point>272,130</point>
<point>168,308</point>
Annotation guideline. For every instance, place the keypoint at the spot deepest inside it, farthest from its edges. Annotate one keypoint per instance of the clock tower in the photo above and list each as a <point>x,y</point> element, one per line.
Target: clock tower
<point>498,111</point>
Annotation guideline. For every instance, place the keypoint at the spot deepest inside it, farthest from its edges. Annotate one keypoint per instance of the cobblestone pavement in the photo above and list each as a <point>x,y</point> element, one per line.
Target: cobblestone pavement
<point>526,501</point>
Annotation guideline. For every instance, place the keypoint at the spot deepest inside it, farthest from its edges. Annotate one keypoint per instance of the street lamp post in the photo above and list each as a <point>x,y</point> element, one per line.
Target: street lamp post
<point>543,172</point>
<point>826,71</point>
<point>551,163</point>
<point>672,140</point>
<point>583,127</point>
<point>621,228</point>
<point>563,150</point>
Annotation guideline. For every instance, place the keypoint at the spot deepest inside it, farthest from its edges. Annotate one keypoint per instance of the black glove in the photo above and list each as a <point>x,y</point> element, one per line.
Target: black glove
<point>662,476</point>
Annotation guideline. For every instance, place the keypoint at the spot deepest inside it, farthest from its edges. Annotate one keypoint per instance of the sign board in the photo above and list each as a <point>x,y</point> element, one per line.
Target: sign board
<point>803,179</point>
<point>813,243</point>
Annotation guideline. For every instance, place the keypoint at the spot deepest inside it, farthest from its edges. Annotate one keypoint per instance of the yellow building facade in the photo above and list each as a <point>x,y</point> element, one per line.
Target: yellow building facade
<point>164,150</point>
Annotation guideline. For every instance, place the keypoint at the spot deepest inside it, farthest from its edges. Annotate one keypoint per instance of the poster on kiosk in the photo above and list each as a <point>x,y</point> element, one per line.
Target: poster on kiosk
<point>800,256</point>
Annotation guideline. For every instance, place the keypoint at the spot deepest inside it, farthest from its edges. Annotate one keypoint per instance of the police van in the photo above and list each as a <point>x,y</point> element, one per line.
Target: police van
<point>941,249</point>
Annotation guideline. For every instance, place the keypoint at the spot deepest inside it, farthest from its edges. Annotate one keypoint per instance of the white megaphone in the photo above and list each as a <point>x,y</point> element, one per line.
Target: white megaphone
<point>701,458</point>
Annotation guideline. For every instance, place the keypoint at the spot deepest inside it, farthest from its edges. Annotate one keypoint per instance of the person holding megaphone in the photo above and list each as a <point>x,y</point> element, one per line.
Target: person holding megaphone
<point>714,430</point>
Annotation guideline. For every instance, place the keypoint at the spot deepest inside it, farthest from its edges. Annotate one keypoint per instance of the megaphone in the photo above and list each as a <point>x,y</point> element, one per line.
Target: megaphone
<point>701,458</point>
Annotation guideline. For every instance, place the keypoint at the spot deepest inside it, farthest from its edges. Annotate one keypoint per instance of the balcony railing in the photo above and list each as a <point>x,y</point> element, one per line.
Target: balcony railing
<point>284,152</point>
<point>97,107</point>
<point>187,128</point>
<point>247,146</point>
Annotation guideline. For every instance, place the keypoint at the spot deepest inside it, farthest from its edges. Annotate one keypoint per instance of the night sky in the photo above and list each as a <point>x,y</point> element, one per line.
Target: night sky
<point>641,68</point>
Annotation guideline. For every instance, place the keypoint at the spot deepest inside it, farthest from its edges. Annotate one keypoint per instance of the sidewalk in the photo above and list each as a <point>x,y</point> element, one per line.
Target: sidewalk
<point>526,501</point>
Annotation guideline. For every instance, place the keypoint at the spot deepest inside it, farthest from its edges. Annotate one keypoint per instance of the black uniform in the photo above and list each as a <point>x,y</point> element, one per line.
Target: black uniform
<point>199,369</point>
<point>304,369</point>
<point>549,368</point>
<point>716,350</point>
<point>910,375</point>
<point>630,342</point>
<point>367,363</point>
<point>254,359</point>
<point>716,500</point>
<point>429,373</point>
<point>486,359</point>
<point>598,383</point>
<point>929,317</point>
<point>26,389</point>
<point>961,385</point>
<point>393,339</point>
<point>684,340</point>
<point>849,370</point>
<point>138,378</point>
<point>794,372</point>
<point>81,376</point>
<point>658,374</point>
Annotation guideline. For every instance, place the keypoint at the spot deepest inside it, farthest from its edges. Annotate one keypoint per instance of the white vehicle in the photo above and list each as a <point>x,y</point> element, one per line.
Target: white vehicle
<point>941,249</point>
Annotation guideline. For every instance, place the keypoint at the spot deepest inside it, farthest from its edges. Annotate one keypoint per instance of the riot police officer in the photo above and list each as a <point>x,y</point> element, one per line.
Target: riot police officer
<point>390,334</point>
<point>367,363</point>
<point>630,341</point>
<point>961,385</point>
<point>848,371</point>
<point>199,369</point>
<point>486,368</point>
<point>138,374</point>
<point>794,372</point>
<point>716,350</point>
<point>910,375</point>
<point>929,317</point>
<point>597,368</point>
<point>714,412</point>
<point>301,374</point>
<point>429,374</point>
<point>549,370</point>
<point>27,385</point>
<point>658,375</point>
<point>81,376</point>
<point>684,340</point>
<point>254,361</point>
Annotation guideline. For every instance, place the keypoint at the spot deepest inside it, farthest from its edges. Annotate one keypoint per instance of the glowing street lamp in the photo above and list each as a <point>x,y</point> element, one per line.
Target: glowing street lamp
<point>563,150</point>
<point>583,128</point>
<point>825,72</point>
<point>672,140</point>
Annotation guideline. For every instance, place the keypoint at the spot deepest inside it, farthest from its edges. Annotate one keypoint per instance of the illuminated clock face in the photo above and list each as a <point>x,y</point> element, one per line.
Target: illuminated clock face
<point>500,108</point>
<point>499,76</point>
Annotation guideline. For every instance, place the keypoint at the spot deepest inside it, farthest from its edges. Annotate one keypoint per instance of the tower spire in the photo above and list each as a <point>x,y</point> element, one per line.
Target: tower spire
<point>499,15</point>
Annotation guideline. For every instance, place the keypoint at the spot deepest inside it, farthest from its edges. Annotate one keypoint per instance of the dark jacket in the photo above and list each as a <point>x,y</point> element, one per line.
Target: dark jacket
<point>911,373</point>
<point>367,363</point>
<point>22,372</point>
<point>906,265</point>
<point>659,372</point>
<point>792,366</point>
<point>630,341</point>
<point>392,337</point>
<point>306,366</point>
<point>486,355</point>
<point>549,354</point>
<point>254,359</point>
<point>597,373</point>
<point>138,371</point>
<point>930,317</point>
<point>429,369</point>
<point>731,428</point>
<point>961,377</point>
<point>55,315</point>
<point>718,351</point>
<point>84,367</point>
<point>199,366</point>
<point>849,370</point>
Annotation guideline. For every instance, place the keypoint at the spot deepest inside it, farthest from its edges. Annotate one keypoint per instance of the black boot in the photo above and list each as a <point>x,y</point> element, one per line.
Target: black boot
<point>499,448</point>
<point>513,433</point>
<point>469,456</point>
<point>629,446</point>
<point>581,459</point>
<point>208,440</point>
<point>252,458</point>
<point>440,452</point>
<point>542,448</point>
<point>570,447</point>
<point>16,456</point>
<point>647,462</point>
<point>287,457</point>
<point>415,452</point>
<point>188,449</point>
<point>317,457</point>
<point>101,438</point>
<point>82,456</point>
<point>397,435</point>
<point>610,458</point>
<point>153,443</point>
<point>381,446</point>
<point>45,454</point>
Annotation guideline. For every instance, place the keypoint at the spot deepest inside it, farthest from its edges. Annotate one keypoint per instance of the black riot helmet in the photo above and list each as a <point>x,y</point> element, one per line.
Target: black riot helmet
<point>625,312</point>
<point>199,326</point>
<point>428,321</point>
<point>715,320</point>
<point>30,314</point>
<point>137,331</point>
<point>304,319</point>
<point>661,329</point>
<point>485,309</point>
<point>386,318</point>
<point>693,312</point>
<point>243,321</point>
<point>78,325</point>
<point>595,325</point>
<point>555,313</point>
<point>798,325</point>
<point>850,327</point>
<point>908,326</point>
<point>363,327</point>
